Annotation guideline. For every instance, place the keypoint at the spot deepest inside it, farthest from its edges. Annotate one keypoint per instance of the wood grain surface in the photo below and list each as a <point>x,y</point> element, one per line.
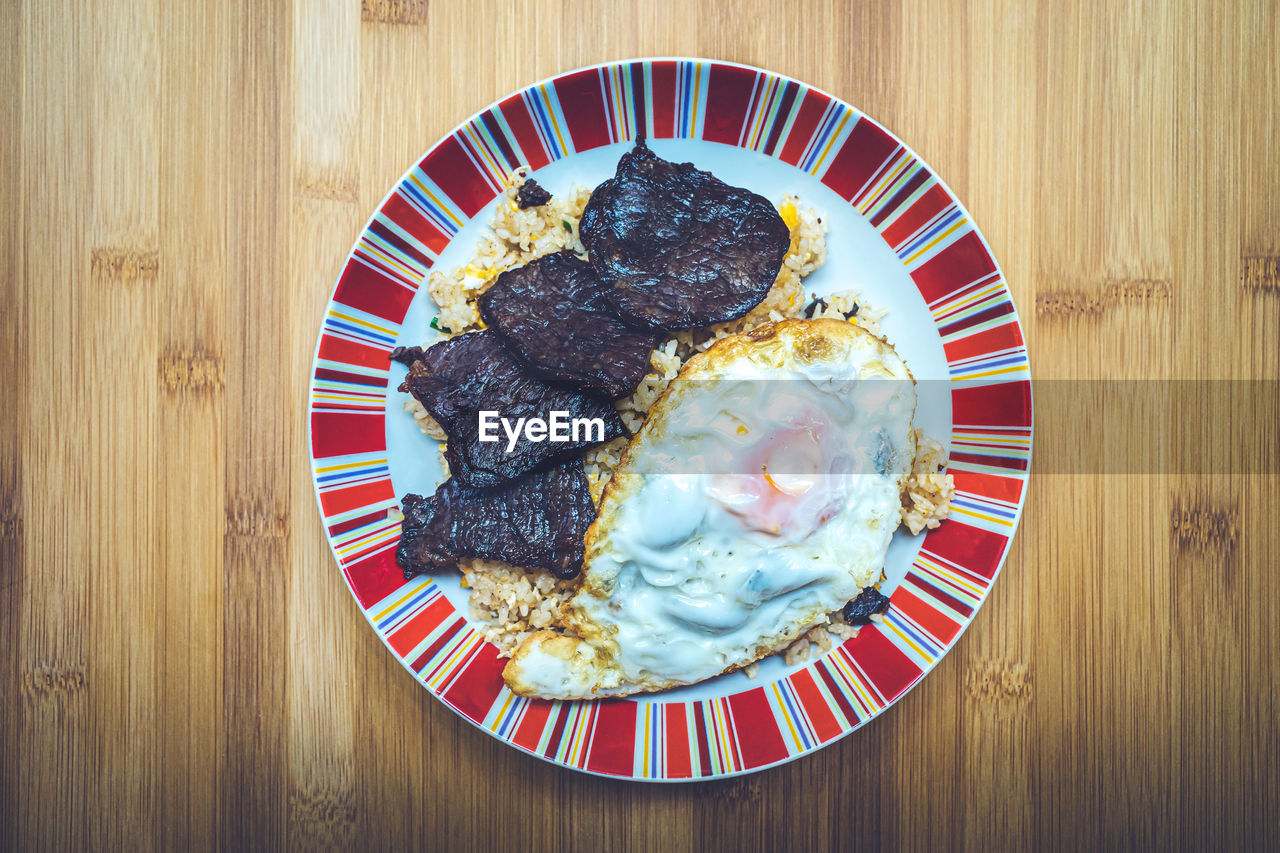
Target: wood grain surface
<point>183,667</point>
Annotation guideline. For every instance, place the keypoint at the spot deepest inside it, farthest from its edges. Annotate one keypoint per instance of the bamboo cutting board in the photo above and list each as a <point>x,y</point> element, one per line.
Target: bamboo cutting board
<point>183,667</point>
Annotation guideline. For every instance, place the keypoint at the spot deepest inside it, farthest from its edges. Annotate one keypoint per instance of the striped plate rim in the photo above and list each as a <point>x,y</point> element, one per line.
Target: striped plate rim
<point>921,220</point>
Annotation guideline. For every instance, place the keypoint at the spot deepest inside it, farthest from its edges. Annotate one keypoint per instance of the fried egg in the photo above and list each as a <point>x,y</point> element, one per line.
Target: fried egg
<point>761,494</point>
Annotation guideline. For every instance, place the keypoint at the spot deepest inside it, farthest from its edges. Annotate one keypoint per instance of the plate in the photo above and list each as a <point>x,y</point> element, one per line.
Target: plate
<point>896,232</point>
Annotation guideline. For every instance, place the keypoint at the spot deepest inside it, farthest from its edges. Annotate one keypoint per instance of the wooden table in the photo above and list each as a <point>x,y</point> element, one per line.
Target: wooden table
<point>182,664</point>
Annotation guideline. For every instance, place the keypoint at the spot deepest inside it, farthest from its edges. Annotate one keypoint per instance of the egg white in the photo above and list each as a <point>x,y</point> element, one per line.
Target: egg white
<point>761,493</point>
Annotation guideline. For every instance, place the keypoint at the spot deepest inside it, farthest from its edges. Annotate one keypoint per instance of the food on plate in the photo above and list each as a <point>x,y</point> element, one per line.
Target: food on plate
<point>551,315</point>
<point>509,280</point>
<point>536,521</point>
<point>514,236</point>
<point>406,355</point>
<point>760,496</point>
<point>676,247</point>
<point>531,194</point>
<point>457,379</point>
<point>868,603</point>
<point>926,500</point>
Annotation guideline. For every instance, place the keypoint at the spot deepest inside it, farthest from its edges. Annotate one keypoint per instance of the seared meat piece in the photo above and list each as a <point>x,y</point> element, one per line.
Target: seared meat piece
<point>531,194</point>
<point>553,318</point>
<point>456,379</point>
<point>677,247</point>
<point>406,355</point>
<point>537,521</point>
<point>868,603</point>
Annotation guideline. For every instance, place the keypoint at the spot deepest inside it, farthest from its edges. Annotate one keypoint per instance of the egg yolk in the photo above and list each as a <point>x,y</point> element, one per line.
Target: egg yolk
<point>782,489</point>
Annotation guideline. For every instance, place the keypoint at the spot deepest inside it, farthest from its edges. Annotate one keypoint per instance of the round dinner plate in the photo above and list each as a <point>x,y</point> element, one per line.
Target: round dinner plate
<point>896,233</point>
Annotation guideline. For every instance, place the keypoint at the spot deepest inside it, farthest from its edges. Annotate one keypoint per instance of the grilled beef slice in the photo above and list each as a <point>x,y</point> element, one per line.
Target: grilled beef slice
<point>552,316</point>
<point>456,379</point>
<point>537,521</point>
<point>677,247</point>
